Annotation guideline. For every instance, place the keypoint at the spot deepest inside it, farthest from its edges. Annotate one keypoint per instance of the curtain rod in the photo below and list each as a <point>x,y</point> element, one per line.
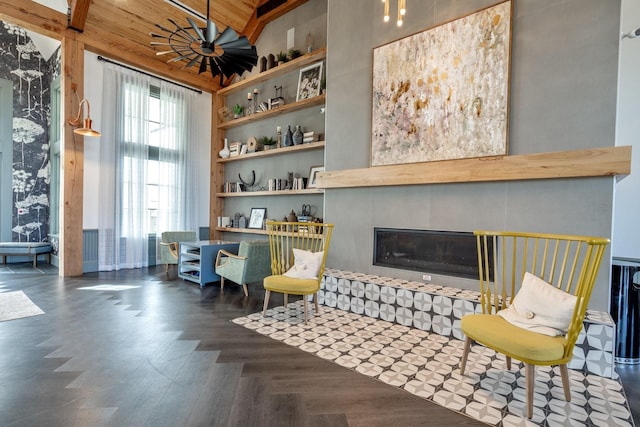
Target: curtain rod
<point>102,58</point>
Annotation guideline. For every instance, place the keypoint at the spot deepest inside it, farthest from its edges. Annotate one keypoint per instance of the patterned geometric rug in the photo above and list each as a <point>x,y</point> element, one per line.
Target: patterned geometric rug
<point>16,305</point>
<point>427,365</point>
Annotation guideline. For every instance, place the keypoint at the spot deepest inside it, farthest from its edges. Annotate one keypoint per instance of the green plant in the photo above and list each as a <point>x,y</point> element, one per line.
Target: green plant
<point>282,57</point>
<point>267,140</point>
<point>237,109</point>
<point>294,53</point>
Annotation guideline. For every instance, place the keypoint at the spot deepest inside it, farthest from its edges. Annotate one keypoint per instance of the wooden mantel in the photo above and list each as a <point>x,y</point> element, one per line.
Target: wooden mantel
<point>608,161</point>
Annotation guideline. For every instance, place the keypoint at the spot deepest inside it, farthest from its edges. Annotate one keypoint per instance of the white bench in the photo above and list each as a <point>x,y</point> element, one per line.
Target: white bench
<point>25,249</point>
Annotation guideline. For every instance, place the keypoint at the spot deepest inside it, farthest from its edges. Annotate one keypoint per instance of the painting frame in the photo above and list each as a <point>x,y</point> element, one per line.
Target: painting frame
<point>256,219</point>
<point>309,80</point>
<point>443,93</point>
<point>313,175</point>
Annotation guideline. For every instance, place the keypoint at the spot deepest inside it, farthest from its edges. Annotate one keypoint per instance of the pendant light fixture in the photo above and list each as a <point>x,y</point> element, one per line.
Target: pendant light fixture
<point>224,54</point>
<point>402,10</point>
<point>83,125</point>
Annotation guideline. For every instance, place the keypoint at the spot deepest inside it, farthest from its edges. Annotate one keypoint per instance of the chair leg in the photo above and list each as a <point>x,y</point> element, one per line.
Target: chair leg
<point>245,289</point>
<point>530,376</point>
<point>315,302</point>
<point>306,309</point>
<point>286,300</point>
<point>564,373</point>
<point>267,294</point>
<point>221,283</point>
<point>508,363</point>
<point>465,354</point>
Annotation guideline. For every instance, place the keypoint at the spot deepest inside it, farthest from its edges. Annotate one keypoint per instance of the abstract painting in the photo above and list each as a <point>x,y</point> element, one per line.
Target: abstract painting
<point>443,93</point>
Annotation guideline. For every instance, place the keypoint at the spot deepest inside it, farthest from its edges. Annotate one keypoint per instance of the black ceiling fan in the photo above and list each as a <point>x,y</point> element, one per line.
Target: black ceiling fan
<point>225,54</point>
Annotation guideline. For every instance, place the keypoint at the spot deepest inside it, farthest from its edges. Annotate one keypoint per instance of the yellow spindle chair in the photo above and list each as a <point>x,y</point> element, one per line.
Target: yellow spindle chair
<point>284,237</point>
<point>569,263</point>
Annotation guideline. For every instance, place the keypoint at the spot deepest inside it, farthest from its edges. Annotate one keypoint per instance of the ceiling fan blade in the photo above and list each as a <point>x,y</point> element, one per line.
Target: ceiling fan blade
<point>212,31</point>
<point>203,65</point>
<point>192,62</point>
<point>181,57</point>
<point>215,67</point>
<point>164,29</point>
<point>227,36</point>
<point>238,43</point>
<point>196,29</point>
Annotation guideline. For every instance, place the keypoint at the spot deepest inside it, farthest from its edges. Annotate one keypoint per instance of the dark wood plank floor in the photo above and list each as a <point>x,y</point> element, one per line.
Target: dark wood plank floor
<point>166,354</point>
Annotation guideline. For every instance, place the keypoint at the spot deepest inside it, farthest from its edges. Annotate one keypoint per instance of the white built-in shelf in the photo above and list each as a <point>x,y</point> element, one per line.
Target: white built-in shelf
<point>272,193</point>
<point>275,152</point>
<point>287,108</point>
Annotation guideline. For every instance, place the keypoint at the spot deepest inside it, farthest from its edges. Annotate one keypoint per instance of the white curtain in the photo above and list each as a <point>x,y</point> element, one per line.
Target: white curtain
<point>124,221</point>
<point>178,184</point>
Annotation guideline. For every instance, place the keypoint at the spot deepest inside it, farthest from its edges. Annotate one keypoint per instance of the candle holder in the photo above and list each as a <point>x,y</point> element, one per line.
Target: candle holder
<point>255,100</point>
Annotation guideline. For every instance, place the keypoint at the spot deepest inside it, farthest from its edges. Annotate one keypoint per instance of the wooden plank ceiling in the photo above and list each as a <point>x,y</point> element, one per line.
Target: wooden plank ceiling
<point>120,29</point>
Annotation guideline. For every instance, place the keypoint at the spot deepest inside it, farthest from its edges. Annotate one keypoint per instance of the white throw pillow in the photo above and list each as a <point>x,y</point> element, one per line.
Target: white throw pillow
<point>540,307</point>
<point>306,264</point>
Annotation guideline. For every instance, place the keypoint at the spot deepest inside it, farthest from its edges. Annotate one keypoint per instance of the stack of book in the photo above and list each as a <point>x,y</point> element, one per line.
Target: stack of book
<point>310,137</point>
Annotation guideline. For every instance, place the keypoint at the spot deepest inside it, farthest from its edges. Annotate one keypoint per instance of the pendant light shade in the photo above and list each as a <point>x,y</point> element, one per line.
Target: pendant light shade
<point>86,129</point>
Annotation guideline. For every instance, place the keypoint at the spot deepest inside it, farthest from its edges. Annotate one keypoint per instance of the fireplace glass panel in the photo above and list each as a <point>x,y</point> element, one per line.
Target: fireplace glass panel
<point>450,253</point>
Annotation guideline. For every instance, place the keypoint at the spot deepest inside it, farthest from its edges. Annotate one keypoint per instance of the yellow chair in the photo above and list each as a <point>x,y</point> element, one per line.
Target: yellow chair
<point>569,263</point>
<point>298,255</point>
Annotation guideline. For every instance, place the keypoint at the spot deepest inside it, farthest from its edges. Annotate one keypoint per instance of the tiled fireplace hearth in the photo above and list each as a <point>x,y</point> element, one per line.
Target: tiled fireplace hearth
<point>439,309</point>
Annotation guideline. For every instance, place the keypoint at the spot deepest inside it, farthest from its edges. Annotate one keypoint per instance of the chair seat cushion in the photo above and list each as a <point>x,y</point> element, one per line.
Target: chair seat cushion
<point>495,332</point>
<point>290,285</point>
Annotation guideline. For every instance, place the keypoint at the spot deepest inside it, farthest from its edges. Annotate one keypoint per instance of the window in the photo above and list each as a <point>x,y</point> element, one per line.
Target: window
<point>151,158</point>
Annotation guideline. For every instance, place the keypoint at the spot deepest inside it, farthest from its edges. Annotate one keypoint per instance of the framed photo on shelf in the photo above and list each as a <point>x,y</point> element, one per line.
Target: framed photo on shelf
<point>313,173</point>
<point>309,81</point>
<point>234,149</point>
<point>257,218</point>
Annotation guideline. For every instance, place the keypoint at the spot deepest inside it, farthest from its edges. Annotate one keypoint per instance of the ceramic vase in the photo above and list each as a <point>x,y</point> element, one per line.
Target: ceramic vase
<point>287,141</point>
<point>297,136</point>
<point>224,153</point>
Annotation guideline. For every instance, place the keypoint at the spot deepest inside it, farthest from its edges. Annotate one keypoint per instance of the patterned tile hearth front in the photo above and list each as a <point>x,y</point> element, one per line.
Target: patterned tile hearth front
<point>426,364</point>
<point>439,309</point>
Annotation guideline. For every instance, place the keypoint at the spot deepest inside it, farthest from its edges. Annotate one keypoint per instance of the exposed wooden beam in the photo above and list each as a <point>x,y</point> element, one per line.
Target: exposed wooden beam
<point>72,161</point>
<point>255,25</point>
<point>33,16</point>
<point>79,9</point>
<point>280,10</point>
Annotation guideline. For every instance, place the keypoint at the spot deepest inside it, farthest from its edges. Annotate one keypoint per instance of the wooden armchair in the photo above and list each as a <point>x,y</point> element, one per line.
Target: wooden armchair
<point>522,316</point>
<point>298,255</point>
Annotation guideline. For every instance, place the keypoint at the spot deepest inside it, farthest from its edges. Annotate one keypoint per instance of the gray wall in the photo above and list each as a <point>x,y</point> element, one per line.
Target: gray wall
<point>563,97</point>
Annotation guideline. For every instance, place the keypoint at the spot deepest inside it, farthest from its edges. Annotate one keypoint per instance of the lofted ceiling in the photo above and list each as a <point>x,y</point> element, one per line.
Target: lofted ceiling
<point>120,29</point>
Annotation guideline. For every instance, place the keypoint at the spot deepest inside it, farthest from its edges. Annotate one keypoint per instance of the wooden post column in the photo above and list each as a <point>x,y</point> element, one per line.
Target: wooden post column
<point>72,161</point>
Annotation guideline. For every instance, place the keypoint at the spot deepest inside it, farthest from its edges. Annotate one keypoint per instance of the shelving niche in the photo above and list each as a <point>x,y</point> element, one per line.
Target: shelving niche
<point>220,172</point>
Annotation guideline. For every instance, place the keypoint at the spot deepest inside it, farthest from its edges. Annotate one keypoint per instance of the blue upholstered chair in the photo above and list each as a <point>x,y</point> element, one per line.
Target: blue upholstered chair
<point>252,264</point>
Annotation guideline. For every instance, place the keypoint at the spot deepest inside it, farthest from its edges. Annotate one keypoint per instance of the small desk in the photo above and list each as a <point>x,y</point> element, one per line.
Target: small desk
<point>196,260</point>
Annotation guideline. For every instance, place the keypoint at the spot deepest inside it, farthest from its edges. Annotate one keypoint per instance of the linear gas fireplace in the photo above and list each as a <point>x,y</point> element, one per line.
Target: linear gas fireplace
<point>450,253</point>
